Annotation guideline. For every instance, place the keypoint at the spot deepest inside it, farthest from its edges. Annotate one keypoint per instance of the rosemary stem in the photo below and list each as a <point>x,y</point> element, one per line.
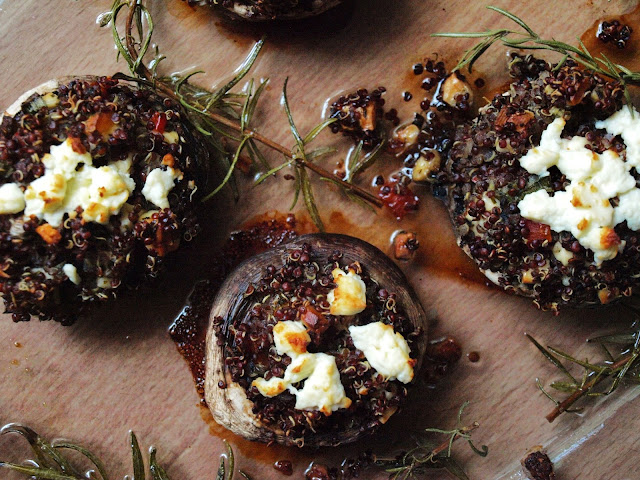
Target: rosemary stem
<point>445,445</point>
<point>361,192</point>
<point>579,393</point>
<point>145,73</point>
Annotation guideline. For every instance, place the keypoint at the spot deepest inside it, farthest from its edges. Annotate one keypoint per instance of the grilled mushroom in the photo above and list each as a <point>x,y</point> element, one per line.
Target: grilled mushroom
<point>537,218</point>
<point>284,291</point>
<point>261,10</point>
<point>99,182</point>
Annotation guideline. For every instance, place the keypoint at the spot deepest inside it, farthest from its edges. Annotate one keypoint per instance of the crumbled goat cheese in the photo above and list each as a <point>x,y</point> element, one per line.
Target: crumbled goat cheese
<point>71,181</point>
<point>158,185</point>
<point>322,388</point>
<point>11,199</point>
<point>350,295</point>
<point>385,350</point>
<point>171,137</point>
<point>72,273</point>
<point>291,338</point>
<point>584,208</point>
<point>562,254</point>
<point>626,123</point>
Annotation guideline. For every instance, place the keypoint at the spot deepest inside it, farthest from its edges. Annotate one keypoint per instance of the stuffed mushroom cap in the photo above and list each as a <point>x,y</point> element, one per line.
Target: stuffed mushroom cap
<point>542,187</point>
<point>99,182</point>
<point>263,10</point>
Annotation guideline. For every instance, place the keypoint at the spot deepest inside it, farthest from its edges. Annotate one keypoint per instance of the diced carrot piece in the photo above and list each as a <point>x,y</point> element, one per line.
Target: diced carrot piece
<point>49,234</point>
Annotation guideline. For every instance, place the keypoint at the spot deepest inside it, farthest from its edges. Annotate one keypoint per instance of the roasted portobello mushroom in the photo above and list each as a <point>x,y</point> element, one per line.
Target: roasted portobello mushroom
<point>314,343</point>
<point>542,186</point>
<point>100,180</point>
<point>261,10</point>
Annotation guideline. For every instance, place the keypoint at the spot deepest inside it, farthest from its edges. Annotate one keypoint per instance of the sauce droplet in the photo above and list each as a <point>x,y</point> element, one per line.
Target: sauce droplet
<point>473,357</point>
<point>17,344</point>
<point>285,467</point>
<point>439,358</point>
<point>627,56</point>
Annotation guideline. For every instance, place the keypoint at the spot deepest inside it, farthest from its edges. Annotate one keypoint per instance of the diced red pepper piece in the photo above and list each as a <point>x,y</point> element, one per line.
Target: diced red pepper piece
<point>159,121</point>
<point>100,122</point>
<point>399,198</point>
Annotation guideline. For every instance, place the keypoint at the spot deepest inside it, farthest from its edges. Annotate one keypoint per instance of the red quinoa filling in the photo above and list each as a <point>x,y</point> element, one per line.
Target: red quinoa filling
<point>483,183</point>
<point>111,121</point>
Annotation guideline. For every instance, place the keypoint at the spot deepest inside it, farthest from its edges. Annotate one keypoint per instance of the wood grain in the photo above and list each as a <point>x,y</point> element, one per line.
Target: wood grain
<point>119,369</point>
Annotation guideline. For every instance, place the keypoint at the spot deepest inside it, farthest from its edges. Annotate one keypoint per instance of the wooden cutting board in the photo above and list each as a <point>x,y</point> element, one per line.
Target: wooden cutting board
<point>119,370</point>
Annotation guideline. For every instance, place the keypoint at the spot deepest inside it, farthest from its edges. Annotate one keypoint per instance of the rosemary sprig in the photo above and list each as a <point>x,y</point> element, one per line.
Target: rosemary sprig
<point>50,462</point>
<point>528,39</point>
<point>598,378</point>
<point>225,114</point>
<point>429,455</point>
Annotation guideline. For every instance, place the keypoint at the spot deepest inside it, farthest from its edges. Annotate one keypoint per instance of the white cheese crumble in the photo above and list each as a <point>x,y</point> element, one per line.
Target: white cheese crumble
<point>626,123</point>
<point>300,368</point>
<point>11,199</point>
<point>291,338</point>
<point>70,181</point>
<point>72,273</point>
<point>584,208</point>
<point>350,295</point>
<point>562,254</point>
<point>322,388</point>
<point>158,185</point>
<point>171,137</point>
<point>385,350</point>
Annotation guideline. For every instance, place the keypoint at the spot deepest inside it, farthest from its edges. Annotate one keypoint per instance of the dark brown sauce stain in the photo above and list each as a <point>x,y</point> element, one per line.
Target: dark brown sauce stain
<point>473,357</point>
<point>438,252</point>
<point>439,358</point>
<point>189,329</point>
<point>17,344</point>
<point>629,55</point>
<point>181,9</point>
<point>256,452</point>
